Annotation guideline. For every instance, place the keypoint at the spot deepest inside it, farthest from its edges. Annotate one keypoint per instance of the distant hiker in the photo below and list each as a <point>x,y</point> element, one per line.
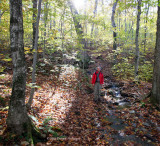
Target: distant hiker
<point>97,81</point>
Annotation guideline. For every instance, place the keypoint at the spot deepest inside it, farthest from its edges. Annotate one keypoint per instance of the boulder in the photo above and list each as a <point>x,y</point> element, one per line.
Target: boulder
<point>84,59</point>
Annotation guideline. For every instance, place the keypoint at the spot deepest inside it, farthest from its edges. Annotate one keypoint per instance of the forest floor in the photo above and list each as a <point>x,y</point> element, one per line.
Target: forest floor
<point>63,108</point>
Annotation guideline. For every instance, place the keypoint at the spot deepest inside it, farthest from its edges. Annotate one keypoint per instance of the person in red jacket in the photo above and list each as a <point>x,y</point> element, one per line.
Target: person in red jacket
<point>97,81</point>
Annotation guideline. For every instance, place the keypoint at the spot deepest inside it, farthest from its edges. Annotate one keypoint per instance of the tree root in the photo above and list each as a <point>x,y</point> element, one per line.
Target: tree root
<point>147,96</point>
<point>33,133</point>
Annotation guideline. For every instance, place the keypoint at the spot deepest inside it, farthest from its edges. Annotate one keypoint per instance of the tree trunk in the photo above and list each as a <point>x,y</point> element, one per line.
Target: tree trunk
<point>62,24</point>
<point>34,20</point>
<point>155,96</point>
<point>94,13</point>
<point>125,21</point>
<point>54,21</point>
<point>145,28</point>
<point>103,14</point>
<point>132,33</point>
<point>17,120</point>
<point>50,28</point>
<point>83,56</point>
<point>114,25</point>
<point>71,30</point>
<point>85,28</point>
<point>45,27</point>
<point>0,13</point>
<point>77,24</point>
<point>35,56</point>
<point>119,27</point>
<point>136,39</point>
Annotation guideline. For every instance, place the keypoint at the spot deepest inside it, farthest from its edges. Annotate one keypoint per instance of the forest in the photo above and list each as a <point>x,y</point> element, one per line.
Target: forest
<point>80,72</point>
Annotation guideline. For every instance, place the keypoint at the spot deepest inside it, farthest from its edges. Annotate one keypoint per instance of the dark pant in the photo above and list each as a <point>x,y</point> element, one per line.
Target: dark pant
<point>97,91</point>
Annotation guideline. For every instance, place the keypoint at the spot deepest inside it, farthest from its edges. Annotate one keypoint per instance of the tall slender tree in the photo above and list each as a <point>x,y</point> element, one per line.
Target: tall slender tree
<point>62,26</point>
<point>145,27</point>
<point>85,13</point>
<point>84,57</point>
<point>155,95</point>
<point>103,14</point>
<point>114,25</point>
<point>35,56</point>
<point>0,13</point>
<point>77,24</point>
<point>34,20</point>
<point>136,39</point>
<point>94,15</point>
<point>45,27</point>
<point>125,20</point>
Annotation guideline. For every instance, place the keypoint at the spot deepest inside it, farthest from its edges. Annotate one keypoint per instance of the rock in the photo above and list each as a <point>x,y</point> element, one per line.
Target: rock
<point>132,112</point>
<point>98,125</point>
<point>140,117</point>
<point>124,104</point>
<point>158,128</point>
<point>134,125</point>
<point>146,124</point>
<point>84,59</point>
<point>121,133</point>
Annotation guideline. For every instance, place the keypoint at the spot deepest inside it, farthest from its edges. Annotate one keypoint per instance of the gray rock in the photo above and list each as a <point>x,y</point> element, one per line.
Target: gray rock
<point>158,128</point>
<point>132,112</point>
<point>146,124</point>
<point>84,59</point>
<point>134,125</point>
<point>124,103</point>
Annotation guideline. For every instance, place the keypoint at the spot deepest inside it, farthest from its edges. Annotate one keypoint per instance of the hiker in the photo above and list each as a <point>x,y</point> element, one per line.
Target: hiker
<point>97,81</point>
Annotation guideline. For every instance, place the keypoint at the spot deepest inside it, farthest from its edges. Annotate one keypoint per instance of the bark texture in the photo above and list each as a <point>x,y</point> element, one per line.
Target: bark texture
<point>77,24</point>
<point>94,13</point>
<point>136,39</point>
<point>17,120</point>
<point>45,27</point>
<point>155,96</point>
<point>0,13</point>
<point>114,25</point>
<point>145,28</point>
<point>83,56</point>
<point>35,56</point>
<point>34,20</point>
